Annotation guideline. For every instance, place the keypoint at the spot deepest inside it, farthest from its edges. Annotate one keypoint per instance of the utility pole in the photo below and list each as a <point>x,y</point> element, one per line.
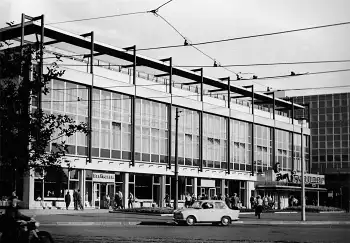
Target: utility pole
<point>302,176</point>
<point>176,161</point>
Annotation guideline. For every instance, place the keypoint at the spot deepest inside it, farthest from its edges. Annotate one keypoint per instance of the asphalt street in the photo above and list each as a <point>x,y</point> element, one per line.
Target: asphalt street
<point>200,233</point>
<point>121,227</point>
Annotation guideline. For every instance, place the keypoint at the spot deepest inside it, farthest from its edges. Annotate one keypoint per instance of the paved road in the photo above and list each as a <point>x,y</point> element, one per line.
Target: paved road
<point>120,217</point>
<point>200,233</point>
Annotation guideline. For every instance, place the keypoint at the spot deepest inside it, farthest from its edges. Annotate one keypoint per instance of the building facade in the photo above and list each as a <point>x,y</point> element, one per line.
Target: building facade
<point>225,145</point>
<point>329,123</point>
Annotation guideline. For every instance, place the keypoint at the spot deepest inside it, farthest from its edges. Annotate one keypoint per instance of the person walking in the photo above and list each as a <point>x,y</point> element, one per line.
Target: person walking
<point>80,205</point>
<point>259,206</point>
<point>67,199</point>
<point>75,199</point>
<point>131,200</point>
<point>167,200</point>
<point>120,199</point>
<point>234,201</point>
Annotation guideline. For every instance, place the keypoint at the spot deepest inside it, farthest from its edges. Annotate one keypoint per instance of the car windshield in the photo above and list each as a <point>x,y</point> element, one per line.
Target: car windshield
<point>197,204</point>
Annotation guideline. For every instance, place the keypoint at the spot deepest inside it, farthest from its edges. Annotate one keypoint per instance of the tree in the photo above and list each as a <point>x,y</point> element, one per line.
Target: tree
<point>26,132</point>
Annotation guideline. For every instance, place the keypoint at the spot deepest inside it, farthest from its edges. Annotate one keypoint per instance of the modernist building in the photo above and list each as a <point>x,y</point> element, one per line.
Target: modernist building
<point>330,143</point>
<point>132,116</point>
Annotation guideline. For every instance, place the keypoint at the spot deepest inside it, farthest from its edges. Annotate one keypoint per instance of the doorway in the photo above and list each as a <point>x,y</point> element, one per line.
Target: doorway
<point>101,190</point>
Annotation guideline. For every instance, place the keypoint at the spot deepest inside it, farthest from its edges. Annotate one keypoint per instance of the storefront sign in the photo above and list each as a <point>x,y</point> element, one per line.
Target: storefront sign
<point>103,177</point>
<point>295,178</point>
<point>207,183</point>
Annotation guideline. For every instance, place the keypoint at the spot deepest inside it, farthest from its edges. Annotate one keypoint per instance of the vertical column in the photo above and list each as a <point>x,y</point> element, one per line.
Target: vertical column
<point>249,188</point>
<point>170,108</point>
<point>82,186</point>
<point>28,190</point>
<point>222,189</point>
<point>201,128</point>
<point>274,130</point>
<point>162,190</point>
<point>90,98</point>
<point>228,126</point>
<point>125,189</point>
<point>133,105</point>
<point>253,134</point>
<point>195,185</point>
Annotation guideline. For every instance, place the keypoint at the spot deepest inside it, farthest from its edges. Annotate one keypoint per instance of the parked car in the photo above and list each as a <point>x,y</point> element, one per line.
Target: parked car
<point>206,211</point>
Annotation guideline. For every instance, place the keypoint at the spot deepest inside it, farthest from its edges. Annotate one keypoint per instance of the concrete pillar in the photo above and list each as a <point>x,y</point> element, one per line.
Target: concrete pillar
<point>162,190</point>
<point>28,190</point>
<point>82,186</point>
<point>249,185</point>
<point>195,185</point>
<point>318,198</point>
<point>125,189</point>
<point>222,189</point>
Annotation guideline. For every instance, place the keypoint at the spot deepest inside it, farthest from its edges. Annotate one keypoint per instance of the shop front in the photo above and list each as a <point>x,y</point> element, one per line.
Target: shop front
<point>103,185</point>
<point>284,188</point>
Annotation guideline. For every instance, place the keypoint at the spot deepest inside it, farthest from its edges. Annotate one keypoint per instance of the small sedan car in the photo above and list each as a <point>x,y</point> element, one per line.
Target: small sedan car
<point>206,211</point>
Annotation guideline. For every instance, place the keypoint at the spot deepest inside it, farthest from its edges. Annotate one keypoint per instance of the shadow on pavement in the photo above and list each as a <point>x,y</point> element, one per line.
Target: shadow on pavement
<point>159,223</point>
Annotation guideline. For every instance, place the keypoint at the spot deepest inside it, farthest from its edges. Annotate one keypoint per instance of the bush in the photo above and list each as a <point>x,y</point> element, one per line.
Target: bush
<point>314,209</point>
<point>153,210</point>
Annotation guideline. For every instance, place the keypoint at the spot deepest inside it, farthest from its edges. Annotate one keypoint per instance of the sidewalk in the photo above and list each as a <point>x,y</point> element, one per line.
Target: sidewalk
<point>60,211</point>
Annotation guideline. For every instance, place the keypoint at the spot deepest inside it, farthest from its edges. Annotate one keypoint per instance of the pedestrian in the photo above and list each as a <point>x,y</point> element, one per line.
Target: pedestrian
<point>131,200</point>
<point>193,199</point>
<point>80,205</point>
<point>234,201</point>
<point>259,206</point>
<point>252,201</point>
<point>67,199</point>
<point>187,200</point>
<point>120,199</point>
<point>228,201</point>
<point>167,200</point>
<point>108,201</point>
<point>75,199</point>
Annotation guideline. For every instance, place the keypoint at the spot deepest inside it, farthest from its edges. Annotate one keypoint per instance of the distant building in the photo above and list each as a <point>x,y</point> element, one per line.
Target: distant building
<point>330,154</point>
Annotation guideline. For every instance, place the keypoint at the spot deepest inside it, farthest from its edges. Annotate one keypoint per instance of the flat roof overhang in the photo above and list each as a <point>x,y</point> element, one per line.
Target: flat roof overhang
<point>289,188</point>
<point>31,27</point>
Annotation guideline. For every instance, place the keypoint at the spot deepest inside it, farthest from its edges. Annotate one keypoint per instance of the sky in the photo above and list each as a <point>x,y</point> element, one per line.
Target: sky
<point>205,20</point>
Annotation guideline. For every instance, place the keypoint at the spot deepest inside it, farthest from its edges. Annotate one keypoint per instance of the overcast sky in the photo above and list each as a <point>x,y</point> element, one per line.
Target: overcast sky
<point>203,20</point>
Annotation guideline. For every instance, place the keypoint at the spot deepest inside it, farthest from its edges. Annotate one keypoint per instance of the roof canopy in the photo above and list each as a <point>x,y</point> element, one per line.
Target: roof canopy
<point>58,35</point>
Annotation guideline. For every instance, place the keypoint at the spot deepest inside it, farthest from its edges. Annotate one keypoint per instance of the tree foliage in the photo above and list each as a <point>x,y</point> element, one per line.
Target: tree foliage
<point>26,131</point>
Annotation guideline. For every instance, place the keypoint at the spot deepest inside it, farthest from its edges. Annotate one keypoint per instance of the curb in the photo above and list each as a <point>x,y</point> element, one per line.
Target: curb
<point>292,222</point>
<point>93,223</point>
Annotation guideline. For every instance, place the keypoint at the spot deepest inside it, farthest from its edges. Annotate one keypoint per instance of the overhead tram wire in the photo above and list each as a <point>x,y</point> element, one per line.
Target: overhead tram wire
<point>101,17</point>
<point>108,16</point>
<point>190,44</point>
<point>248,37</point>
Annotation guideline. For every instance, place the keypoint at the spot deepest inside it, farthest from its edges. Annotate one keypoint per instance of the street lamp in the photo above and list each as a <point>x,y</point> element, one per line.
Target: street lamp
<point>302,172</point>
<point>176,158</point>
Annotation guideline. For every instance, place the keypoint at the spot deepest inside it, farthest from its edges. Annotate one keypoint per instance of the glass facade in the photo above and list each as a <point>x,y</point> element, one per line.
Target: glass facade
<point>263,148</point>
<point>111,135</point>
<point>329,123</point>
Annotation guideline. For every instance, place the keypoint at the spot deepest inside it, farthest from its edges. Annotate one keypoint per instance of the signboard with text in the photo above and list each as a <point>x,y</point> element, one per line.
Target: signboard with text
<point>103,177</point>
<point>295,178</point>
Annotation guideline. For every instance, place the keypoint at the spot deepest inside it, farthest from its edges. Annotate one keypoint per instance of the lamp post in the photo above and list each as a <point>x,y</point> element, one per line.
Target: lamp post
<point>302,174</point>
<point>176,159</point>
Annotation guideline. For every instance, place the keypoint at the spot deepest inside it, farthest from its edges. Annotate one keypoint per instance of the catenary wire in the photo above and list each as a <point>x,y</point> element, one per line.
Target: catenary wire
<point>177,31</point>
<point>101,17</point>
<point>247,37</point>
<point>108,16</point>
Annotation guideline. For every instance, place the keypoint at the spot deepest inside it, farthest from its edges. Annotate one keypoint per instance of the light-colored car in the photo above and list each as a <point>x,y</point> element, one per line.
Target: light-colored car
<point>206,211</point>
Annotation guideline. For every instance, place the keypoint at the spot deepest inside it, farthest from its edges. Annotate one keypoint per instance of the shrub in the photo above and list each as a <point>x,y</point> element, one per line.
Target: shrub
<point>155,210</point>
<point>314,209</point>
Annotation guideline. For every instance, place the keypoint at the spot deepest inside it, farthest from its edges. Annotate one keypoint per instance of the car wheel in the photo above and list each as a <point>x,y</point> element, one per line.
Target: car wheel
<point>225,220</point>
<point>190,220</point>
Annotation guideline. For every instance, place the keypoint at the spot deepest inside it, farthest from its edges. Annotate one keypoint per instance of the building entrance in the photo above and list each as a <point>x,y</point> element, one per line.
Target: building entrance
<point>101,190</point>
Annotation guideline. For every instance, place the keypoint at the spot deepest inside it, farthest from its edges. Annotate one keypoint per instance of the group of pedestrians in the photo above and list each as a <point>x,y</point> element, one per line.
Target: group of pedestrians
<point>118,200</point>
<point>76,200</point>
